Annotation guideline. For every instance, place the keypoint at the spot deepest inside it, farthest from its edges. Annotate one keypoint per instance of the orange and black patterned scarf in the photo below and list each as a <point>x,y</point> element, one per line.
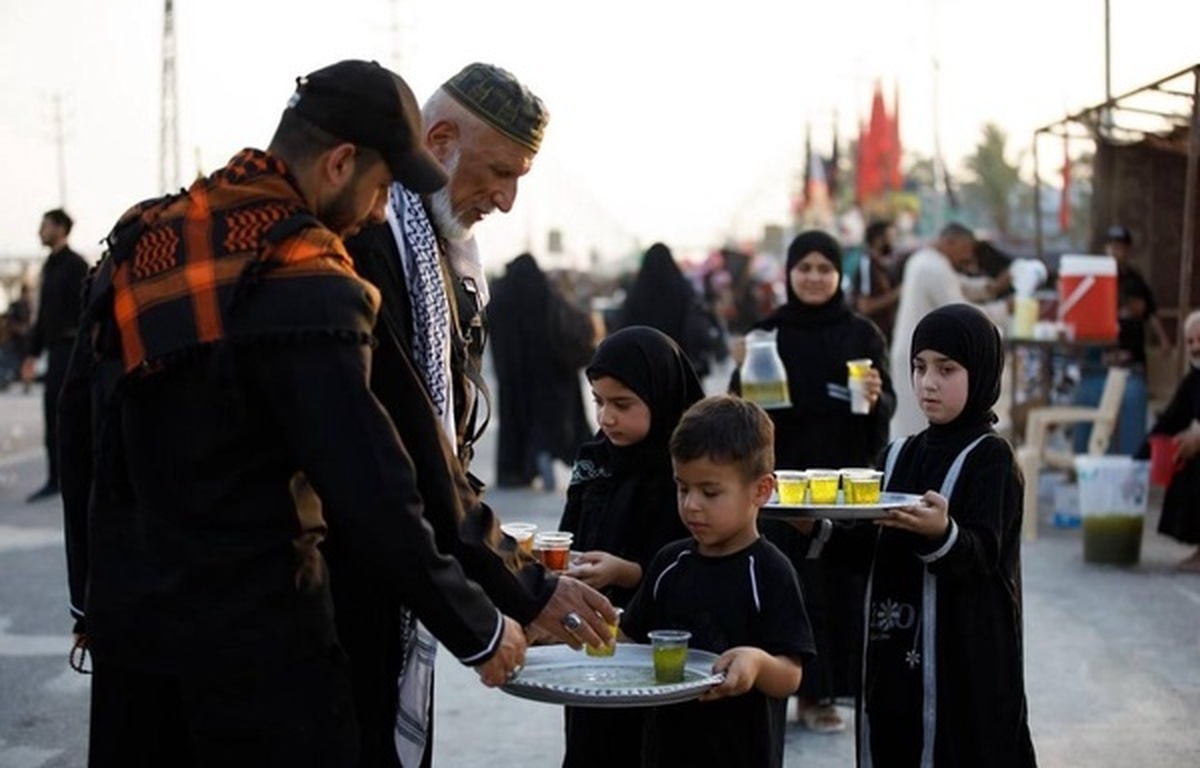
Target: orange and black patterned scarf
<point>198,254</point>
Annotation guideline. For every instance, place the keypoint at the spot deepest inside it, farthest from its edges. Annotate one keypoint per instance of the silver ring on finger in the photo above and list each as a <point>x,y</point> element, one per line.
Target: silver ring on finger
<point>572,621</point>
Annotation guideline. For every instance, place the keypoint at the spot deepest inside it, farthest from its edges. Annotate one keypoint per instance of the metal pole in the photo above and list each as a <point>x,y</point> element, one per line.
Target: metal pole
<point>1189,220</point>
<point>168,140</point>
<point>941,176</point>
<point>1107,52</point>
<point>1037,201</point>
<point>60,148</point>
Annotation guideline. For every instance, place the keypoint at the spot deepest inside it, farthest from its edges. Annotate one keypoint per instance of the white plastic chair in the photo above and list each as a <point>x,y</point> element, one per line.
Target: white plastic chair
<point>1034,453</point>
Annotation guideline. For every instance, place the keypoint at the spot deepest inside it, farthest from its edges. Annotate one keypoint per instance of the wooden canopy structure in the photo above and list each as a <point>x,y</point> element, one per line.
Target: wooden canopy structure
<point>1146,176</point>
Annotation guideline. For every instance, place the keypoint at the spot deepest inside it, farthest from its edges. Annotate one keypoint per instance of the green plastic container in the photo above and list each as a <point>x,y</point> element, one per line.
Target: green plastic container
<point>1112,503</point>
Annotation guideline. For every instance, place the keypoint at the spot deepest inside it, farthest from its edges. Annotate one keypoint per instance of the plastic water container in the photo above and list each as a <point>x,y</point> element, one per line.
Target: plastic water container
<point>1066,506</point>
<point>1087,296</point>
<point>1112,502</point>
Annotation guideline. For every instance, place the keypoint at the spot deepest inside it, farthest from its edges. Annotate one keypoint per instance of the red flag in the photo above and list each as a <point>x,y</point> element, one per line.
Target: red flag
<point>1064,202</point>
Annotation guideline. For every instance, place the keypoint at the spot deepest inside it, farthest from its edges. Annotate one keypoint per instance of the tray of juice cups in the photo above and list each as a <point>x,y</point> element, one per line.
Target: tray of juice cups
<point>851,494</point>
<point>665,671</point>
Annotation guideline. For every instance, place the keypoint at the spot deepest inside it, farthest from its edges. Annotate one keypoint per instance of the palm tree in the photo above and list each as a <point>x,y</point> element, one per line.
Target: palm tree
<point>994,181</point>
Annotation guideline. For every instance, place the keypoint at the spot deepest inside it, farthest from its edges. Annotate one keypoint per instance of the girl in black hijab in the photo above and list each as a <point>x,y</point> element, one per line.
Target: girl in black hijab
<point>943,668</point>
<point>621,501</point>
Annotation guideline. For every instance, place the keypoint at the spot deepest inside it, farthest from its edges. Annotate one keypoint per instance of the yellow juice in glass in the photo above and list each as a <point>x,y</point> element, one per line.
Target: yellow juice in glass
<point>792,486</point>
<point>670,650</point>
<point>765,393</point>
<point>669,663</point>
<point>823,486</point>
<point>863,488</point>
<point>606,650</point>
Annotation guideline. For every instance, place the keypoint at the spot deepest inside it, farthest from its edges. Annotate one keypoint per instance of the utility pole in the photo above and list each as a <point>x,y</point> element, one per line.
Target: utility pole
<point>168,159</point>
<point>60,141</point>
<point>1107,52</point>
<point>941,175</point>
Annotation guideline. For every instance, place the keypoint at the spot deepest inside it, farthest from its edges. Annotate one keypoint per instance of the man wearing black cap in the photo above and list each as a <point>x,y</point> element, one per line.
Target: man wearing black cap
<point>1136,310</point>
<point>486,128</point>
<point>216,418</point>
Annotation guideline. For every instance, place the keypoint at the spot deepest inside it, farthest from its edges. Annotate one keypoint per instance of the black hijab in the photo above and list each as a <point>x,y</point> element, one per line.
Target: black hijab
<point>652,365</point>
<point>796,312</point>
<point>964,334</point>
<point>660,294</point>
<point>623,499</point>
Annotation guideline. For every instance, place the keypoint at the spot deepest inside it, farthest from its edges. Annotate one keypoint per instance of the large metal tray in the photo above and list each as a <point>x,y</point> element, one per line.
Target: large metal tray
<point>887,500</point>
<point>558,675</point>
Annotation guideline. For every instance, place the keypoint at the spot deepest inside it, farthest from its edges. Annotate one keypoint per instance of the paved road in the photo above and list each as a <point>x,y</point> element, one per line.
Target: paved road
<point>1113,654</point>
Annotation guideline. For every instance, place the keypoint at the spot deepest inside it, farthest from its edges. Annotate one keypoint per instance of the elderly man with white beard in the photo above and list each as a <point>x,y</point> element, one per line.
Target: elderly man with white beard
<point>485,127</point>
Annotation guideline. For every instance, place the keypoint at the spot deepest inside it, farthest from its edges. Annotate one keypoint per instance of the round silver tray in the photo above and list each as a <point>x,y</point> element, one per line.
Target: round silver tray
<point>839,511</point>
<point>558,675</point>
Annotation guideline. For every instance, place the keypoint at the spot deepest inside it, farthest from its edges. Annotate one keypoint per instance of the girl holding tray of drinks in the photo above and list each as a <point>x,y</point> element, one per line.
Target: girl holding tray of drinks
<point>837,418</point>
<point>943,673</point>
<point>621,502</point>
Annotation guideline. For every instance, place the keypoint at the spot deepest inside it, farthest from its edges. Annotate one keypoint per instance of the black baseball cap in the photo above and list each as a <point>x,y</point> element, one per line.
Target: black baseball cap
<point>1119,234</point>
<point>369,105</point>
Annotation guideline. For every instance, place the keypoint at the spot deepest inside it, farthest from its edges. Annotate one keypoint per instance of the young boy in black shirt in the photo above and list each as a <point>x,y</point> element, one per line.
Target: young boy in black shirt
<point>734,591</point>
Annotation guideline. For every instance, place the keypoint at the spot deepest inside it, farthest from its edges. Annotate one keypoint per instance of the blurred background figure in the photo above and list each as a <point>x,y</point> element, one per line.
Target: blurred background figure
<point>662,297</point>
<point>1180,421</point>
<point>59,304</point>
<point>874,290</point>
<point>540,340</point>
<point>18,319</point>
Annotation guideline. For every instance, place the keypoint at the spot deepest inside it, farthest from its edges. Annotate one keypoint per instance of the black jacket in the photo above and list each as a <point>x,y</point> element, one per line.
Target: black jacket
<point>59,300</point>
<point>197,488</point>
<point>465,526</point>
<point>369,622</point>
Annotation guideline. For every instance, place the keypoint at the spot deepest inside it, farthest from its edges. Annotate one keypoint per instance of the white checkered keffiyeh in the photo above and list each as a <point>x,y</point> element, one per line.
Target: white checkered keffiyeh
<point>417,244</point>
<point>418,247</point>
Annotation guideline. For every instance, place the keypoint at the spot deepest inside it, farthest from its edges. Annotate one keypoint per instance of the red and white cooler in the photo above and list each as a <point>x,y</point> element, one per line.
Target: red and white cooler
<point>1087,296</point>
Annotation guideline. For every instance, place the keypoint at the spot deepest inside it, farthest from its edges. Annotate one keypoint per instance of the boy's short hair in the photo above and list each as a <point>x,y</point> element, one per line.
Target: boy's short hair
<point>726,429</point>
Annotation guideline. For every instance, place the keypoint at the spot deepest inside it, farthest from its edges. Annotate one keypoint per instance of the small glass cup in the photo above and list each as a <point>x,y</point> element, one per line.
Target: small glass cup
<point>555,549</point>
<point>856,374</point>
<point>607,650</point>
<point>522,533</point>
<point>670,648</point>
<point>823,485</point>
<point>863,486</point>
<point>792,484</point>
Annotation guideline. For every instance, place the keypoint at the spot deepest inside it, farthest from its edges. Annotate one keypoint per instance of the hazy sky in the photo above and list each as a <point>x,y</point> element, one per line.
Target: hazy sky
<point>669,122</point>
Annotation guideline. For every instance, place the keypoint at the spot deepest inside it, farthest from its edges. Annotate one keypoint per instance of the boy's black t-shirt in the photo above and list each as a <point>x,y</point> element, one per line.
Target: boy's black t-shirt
<point>750,598</point>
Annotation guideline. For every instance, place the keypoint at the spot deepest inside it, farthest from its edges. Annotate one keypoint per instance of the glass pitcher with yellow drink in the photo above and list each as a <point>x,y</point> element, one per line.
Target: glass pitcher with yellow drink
<point>764,379</point>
